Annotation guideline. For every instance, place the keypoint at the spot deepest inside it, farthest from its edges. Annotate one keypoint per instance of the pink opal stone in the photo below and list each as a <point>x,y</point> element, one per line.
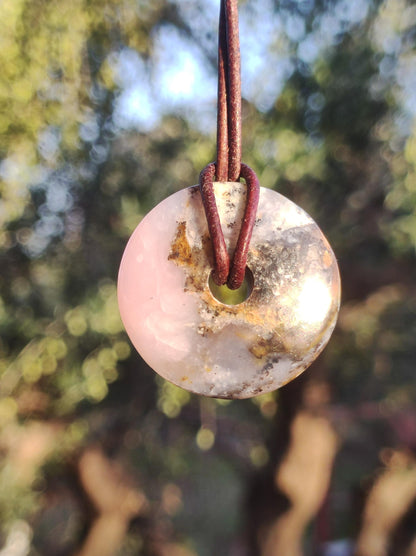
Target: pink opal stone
<point>208,347</point>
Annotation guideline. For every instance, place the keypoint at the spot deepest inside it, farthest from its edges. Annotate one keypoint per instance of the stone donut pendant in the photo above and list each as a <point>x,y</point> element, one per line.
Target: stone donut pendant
<point>175,320</point>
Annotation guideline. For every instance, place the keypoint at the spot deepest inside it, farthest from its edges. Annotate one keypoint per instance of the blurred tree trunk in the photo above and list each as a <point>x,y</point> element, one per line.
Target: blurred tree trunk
<point>284,500</point>
<point>385,529</point>
<point>114,500</point>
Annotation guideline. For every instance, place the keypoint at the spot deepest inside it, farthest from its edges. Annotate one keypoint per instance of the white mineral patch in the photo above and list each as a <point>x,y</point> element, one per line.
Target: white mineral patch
<point>203,345</point>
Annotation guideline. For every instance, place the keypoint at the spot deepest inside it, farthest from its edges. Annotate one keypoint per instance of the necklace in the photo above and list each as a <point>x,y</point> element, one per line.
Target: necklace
<point>221,326</point>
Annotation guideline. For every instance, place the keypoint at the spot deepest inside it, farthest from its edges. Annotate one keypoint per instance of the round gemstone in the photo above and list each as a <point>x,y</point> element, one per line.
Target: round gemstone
<point>210,343</point>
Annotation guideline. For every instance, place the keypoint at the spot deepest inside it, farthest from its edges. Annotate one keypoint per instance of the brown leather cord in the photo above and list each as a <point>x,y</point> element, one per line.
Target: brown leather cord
<point>238,267</point>
<point>221,258</point>
<point>222,273</point>
<point>228,166</point>
<point>229,94</point>
<point>222,112</point>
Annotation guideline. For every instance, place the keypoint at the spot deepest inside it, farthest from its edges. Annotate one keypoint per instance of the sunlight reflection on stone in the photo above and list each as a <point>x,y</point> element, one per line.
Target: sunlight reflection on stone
<point>314,301</point>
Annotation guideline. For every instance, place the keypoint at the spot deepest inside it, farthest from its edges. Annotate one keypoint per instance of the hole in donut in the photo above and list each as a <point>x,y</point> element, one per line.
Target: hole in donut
<point>224,295</point>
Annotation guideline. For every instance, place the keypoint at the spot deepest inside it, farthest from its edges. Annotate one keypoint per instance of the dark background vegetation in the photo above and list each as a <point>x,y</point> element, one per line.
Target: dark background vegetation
<point>108,106</point>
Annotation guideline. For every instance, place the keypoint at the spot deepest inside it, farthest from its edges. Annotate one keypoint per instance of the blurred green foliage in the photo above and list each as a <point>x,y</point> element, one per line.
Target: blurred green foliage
<point>338,137</point>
